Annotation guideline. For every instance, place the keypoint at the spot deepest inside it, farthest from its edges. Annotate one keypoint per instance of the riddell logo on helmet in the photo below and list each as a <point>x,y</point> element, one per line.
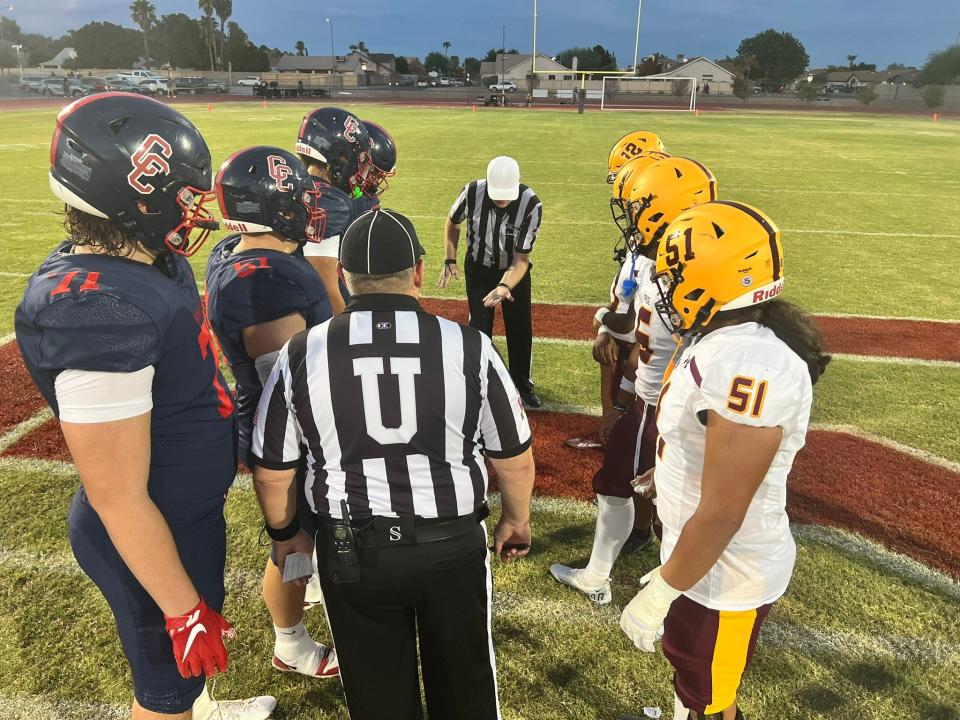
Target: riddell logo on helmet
<point>149,159</point>
<point>764,295</point>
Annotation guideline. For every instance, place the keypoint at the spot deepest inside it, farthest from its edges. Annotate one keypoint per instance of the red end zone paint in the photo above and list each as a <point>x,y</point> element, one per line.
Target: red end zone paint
<point>19,399</point>
<point>849,335</point>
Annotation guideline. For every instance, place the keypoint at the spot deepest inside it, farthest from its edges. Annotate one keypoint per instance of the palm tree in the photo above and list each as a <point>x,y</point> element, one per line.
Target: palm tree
<point>209,26</point>
<point>144,14</point>
<point>850,59</point>
<point>224,9</point>
<point>360,47</point>
<point>446,46</point>
<point>300,48</point>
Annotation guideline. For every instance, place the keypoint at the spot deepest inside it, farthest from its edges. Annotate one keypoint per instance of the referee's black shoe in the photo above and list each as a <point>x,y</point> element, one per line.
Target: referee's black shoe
<point>530,399</point>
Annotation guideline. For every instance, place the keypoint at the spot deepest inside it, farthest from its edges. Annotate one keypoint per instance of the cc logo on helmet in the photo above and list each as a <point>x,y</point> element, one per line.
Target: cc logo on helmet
<point>280,171</point>
<point>149,159</point>
<point>351,126</point>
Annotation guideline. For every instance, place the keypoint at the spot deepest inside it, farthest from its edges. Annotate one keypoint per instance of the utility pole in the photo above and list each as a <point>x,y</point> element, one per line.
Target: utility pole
<point>503,52</point>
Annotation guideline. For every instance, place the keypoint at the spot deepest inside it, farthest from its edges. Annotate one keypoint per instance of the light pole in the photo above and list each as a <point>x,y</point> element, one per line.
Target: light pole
<point>18,48</point>
<point>333,52</point>
<point>503,52</point>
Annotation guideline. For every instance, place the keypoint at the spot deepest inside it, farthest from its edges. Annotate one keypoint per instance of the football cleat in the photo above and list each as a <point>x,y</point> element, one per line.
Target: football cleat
<point>255,708</point>
<point>314,594</point>
<point>320,662</point>
<point>574,577</point>
<point>638,541</point>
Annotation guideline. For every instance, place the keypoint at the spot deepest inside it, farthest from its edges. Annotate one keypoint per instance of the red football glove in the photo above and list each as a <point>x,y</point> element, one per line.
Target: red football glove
<point>198,641</point>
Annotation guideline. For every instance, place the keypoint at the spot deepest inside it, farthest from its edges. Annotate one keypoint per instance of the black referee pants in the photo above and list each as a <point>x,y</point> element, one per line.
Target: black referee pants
<point>517,321</point>
<point>437,593</point>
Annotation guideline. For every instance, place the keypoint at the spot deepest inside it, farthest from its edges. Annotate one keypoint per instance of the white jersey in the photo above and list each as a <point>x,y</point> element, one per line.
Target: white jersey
<point>745,374</point>
<point>620,299</point>
<point>652,333</point>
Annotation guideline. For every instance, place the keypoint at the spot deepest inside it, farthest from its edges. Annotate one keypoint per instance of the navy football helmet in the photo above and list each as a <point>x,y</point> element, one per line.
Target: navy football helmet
<point>138,163</point>
<point>266,189</point>
<point>338,139</point>
<point>383,160</point>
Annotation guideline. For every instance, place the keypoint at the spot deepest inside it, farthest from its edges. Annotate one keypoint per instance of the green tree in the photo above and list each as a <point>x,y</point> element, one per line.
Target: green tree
<point>741,88</point>
<point>779,57</point>
<point>436,62</point>
<point>403,67</point>
<point>866,95</point>
<point>446,46</point>
<point>850,60</point>
<point>941,68</point>
<point>471,67</point>
<point>241,54</point>
<point>650,65</point>
<point>223,9</point>
<point>807,91</point>
<point>492,53</point>
<point>144,14</point>
<point>209,27</point>
<point>595,58</point>
<point>301,48</point>
<point>896,66</point>
<point>9,29</point>
<point>179,41</point>
<point>360,47</point>
<point>454,66</point>
<point>933,96</point>
<point>105,45</point>
<point>680,88</point>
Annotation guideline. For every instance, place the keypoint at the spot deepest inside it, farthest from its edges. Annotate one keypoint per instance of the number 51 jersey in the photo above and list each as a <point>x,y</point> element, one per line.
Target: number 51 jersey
<point>746,375</point>
<point>113,314</point>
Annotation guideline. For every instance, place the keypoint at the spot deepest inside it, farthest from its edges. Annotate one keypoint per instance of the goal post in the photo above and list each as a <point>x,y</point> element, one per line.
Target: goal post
<point>648,92</point>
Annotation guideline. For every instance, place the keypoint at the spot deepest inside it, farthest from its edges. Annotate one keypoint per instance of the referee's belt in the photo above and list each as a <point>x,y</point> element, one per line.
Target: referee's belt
<point>379,532</point>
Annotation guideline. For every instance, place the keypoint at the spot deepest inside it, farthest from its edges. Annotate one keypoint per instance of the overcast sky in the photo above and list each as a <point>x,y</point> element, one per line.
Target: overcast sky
<point>879,31</point>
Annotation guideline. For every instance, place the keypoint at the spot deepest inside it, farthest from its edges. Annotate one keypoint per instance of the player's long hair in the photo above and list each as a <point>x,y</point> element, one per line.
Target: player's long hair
<point>789,323</point>
<point>87,230</point>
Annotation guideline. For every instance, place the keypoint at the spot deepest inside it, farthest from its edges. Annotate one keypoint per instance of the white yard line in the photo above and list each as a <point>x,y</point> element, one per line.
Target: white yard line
<point>9,337</point>
<point>27,426</point>
<point>892,444</point>
<point>36,707</point>
<point>14,274</point>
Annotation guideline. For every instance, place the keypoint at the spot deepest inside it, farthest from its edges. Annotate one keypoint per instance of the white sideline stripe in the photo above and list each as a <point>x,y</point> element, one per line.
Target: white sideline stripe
<point>27,426</point>
<point>14,274</point>
<point>37,707</point>
<point>904,567</point>
<point>919,454</point>
<point>9,337</point>
<point>816,231</point>
<point>896,360</point>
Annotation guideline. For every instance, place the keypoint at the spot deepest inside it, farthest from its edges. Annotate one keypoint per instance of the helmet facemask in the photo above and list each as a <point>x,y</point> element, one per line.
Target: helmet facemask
<point>192,202</point>
<point>667,283</point>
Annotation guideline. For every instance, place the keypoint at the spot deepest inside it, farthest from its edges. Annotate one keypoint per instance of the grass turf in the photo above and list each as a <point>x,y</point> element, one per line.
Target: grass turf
<point>851,636</point>
<point>865,205</point>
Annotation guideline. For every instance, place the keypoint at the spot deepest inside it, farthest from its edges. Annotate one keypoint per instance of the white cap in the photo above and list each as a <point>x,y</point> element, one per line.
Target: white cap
<point>503,178</point>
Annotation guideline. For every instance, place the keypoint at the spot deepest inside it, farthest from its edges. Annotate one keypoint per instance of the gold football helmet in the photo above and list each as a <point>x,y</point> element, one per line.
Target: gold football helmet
<point>630,146</point>
<point>717,256</point>
<point>622,184</point>
<point>660,192</point>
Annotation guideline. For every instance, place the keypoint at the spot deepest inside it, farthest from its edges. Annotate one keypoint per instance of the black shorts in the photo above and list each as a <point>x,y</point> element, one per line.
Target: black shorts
<point>202,545</point>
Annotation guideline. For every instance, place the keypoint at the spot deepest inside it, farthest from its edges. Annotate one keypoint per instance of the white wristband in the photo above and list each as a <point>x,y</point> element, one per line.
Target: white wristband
<point>628,385</point>
<point>600,314</point>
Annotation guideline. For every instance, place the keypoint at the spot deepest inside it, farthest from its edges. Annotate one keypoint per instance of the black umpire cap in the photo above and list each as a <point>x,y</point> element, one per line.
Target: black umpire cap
<point>380,242</point>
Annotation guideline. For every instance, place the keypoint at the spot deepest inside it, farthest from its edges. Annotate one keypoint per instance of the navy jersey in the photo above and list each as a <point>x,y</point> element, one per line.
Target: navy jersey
<point>253,287</point>
<point>113,314</point>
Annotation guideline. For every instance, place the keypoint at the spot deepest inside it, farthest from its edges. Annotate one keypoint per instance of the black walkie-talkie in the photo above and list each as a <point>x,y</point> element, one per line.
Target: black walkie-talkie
<point>343,540</point>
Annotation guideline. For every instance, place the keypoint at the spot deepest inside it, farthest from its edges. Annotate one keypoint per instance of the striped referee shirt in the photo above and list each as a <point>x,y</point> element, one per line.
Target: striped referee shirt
<point>495,234</point>
<point>394,409</point>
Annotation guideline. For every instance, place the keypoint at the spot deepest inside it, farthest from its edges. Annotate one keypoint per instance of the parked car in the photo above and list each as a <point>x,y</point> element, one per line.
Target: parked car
<point>80,86</point>
<point>155,85</point>
<point>251,81</point>
<point>458,83</point>
<point>138,77</point>
<point>197,86</point>
<point>422,83</point>
<point>505,86</point>
<point>55,86</point>
<point>125,84</point>
<point>31,83</point>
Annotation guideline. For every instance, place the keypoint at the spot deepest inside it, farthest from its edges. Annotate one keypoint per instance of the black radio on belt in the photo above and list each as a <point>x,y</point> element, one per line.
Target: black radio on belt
<point>344,542</point>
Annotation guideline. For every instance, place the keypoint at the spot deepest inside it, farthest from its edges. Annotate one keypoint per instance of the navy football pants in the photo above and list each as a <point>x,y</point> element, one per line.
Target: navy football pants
<point>202,544</point>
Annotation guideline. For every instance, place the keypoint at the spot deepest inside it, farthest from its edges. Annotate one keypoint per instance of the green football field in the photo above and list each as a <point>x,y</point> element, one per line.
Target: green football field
<point>869,206</point>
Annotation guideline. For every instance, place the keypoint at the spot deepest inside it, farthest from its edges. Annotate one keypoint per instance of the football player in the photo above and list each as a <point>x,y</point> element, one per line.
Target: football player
<point>649,199</point>
<point>261,291</point>
<point>383,160</point>
<point>732,416</point>
<point>335,148</point>
<point>630,146</point>
<point>627,157</point>
<point>113,332</point>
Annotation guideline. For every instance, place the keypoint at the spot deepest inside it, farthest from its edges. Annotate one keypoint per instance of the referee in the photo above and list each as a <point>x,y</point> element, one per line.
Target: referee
<point>503,217</point>
<point>394,410</point>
